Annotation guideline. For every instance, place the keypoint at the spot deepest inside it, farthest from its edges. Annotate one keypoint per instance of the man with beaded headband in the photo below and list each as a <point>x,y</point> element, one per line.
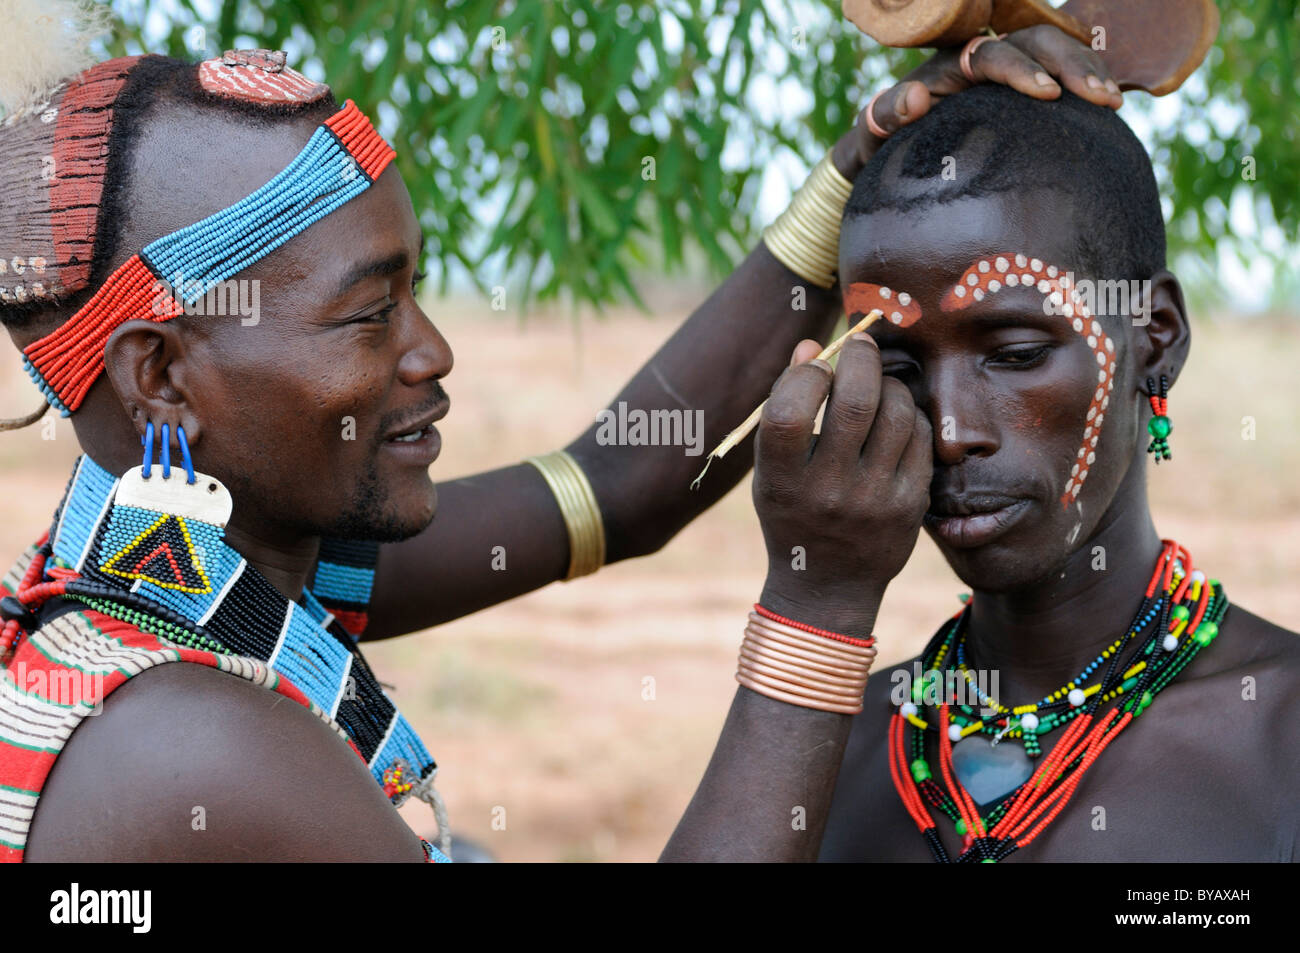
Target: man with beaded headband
<point>1137,716</point>
<point>113,228</point>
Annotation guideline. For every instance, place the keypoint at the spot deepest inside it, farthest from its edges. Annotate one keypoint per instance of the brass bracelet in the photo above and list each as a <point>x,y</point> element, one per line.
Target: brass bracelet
<point>781,696</point>
<point>806,236</point>
<point>803,668</point>
<point>579,508</point>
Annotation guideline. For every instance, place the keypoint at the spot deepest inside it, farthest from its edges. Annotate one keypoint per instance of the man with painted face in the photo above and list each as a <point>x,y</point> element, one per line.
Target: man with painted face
<point>1136,715</point>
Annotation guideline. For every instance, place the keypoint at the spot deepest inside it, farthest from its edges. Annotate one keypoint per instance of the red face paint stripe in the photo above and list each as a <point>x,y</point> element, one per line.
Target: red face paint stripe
<point>898,307</point>
<point>992,274</point>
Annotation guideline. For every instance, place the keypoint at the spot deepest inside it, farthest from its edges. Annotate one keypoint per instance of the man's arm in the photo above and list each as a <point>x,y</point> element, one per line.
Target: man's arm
<point>722,361</point>
<point>186,763</point>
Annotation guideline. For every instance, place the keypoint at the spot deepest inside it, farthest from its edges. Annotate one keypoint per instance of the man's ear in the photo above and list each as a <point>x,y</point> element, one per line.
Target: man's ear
<point>149,366</point>
<point>1163,332</point>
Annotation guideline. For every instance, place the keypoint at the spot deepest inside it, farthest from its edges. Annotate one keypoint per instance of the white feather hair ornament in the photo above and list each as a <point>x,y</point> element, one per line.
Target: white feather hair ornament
<point>46,42</point>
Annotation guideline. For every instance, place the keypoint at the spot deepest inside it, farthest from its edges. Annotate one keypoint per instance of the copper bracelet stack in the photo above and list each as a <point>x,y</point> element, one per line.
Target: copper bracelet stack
<point>804,666</point>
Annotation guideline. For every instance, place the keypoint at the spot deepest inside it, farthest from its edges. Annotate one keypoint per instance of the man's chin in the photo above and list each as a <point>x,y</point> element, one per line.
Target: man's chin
<point>1000,567</point>
<point>386,523</point>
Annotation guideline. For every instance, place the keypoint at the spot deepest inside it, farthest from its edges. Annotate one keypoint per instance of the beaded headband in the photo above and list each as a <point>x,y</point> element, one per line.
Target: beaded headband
<point>343,157</point>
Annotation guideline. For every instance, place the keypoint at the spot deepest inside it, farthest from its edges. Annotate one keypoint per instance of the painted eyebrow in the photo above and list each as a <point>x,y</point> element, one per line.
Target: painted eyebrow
<point>377,268</point>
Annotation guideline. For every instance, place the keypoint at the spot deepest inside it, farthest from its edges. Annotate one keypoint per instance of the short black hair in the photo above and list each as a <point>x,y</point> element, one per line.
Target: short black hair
<point>1017,142</point>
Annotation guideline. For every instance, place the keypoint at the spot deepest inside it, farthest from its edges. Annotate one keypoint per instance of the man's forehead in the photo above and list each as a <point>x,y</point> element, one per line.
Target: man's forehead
<point>929,247</point>
<point>189,164</point>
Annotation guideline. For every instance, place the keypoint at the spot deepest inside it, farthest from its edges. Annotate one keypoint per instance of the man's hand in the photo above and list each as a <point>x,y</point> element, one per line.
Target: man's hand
<point>1036,61</point>
<point>850,499</point>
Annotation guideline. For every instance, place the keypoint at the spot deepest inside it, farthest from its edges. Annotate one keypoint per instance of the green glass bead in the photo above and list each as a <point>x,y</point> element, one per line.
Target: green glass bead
<point>1180,612</point>
<point>988,860</point>
<point>961,828</point>
<point>920,770</point>
<point>1159,426</point>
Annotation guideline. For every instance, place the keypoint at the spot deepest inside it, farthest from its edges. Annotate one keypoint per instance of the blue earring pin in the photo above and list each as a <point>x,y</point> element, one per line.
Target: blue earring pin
<point>147,440</point>
<point>198,497</point>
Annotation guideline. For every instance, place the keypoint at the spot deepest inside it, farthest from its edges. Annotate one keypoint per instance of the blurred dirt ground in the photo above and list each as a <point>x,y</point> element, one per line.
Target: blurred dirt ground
<point>535,709</point>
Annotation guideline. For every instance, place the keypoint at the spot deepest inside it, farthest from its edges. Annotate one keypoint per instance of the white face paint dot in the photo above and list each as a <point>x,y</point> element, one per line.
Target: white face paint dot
<point>984,267</point>
<point>885,292</point>
<point>1067,309</point>
<point>1044,285</point>
<point>1096,328</point>
<point>1092,341</point>
<point>1093,441</point>
<point>1074,469</point>
<point>1087,432</point>
<point>1083,476</point>
<point>1069,487</point>
<point>972,280</point>
<point>1051,271</point>
<point>1110,345</point>
<point>1081,453</point>
<point>1101,358</point>
<point>1105,402</point>
<point>1100,418</point>
<point>1021,261</point>
<point>1077,324</point>
<point>1012,280</point>
<point>1101,391</point>
<point>896,317</point>
<point>1056,299</point>
<point>1091,457</point>
<point>978,295</point>
<point>995,286</point>
<point>1092,412</point>
<point>959,291</point>
<point>1101,376</point>
<point>1001,264</point>
<point>1035,264</point>
<point>904,298</point>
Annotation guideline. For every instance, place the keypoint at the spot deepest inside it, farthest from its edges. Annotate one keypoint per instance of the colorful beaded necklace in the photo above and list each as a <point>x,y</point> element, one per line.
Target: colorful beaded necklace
<point>175,577</point>
<point>1186,615</point>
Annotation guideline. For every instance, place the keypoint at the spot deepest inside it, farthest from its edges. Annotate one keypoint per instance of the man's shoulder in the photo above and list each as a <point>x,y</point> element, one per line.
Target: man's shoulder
<point>187,762</point>
<point>1250,649</point>
<point>1261,638</point>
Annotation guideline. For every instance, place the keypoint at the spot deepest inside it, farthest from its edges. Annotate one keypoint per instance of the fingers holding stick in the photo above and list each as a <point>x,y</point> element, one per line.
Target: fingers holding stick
<point>746,428</point>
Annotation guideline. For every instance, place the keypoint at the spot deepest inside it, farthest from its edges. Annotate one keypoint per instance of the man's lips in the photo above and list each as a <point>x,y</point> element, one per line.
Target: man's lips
<point>421,424</point>
<point>973,519</point>
<point>418,442</point>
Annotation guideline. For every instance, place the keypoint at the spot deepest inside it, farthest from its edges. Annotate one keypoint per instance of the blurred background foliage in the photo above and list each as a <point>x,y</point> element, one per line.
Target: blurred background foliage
<point>564,146</point>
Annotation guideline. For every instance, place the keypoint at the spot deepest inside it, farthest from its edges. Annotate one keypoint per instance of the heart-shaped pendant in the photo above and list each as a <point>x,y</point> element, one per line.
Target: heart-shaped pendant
<point>988,771</point>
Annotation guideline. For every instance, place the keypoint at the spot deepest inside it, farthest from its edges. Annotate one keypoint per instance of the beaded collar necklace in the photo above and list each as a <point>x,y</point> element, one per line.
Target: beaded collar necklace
<point>175,577</point>
<point>1186,614</point>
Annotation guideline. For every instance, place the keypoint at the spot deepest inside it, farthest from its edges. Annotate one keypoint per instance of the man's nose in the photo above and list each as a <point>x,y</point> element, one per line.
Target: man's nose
<point>961,414</point>
<point>427,355</point>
